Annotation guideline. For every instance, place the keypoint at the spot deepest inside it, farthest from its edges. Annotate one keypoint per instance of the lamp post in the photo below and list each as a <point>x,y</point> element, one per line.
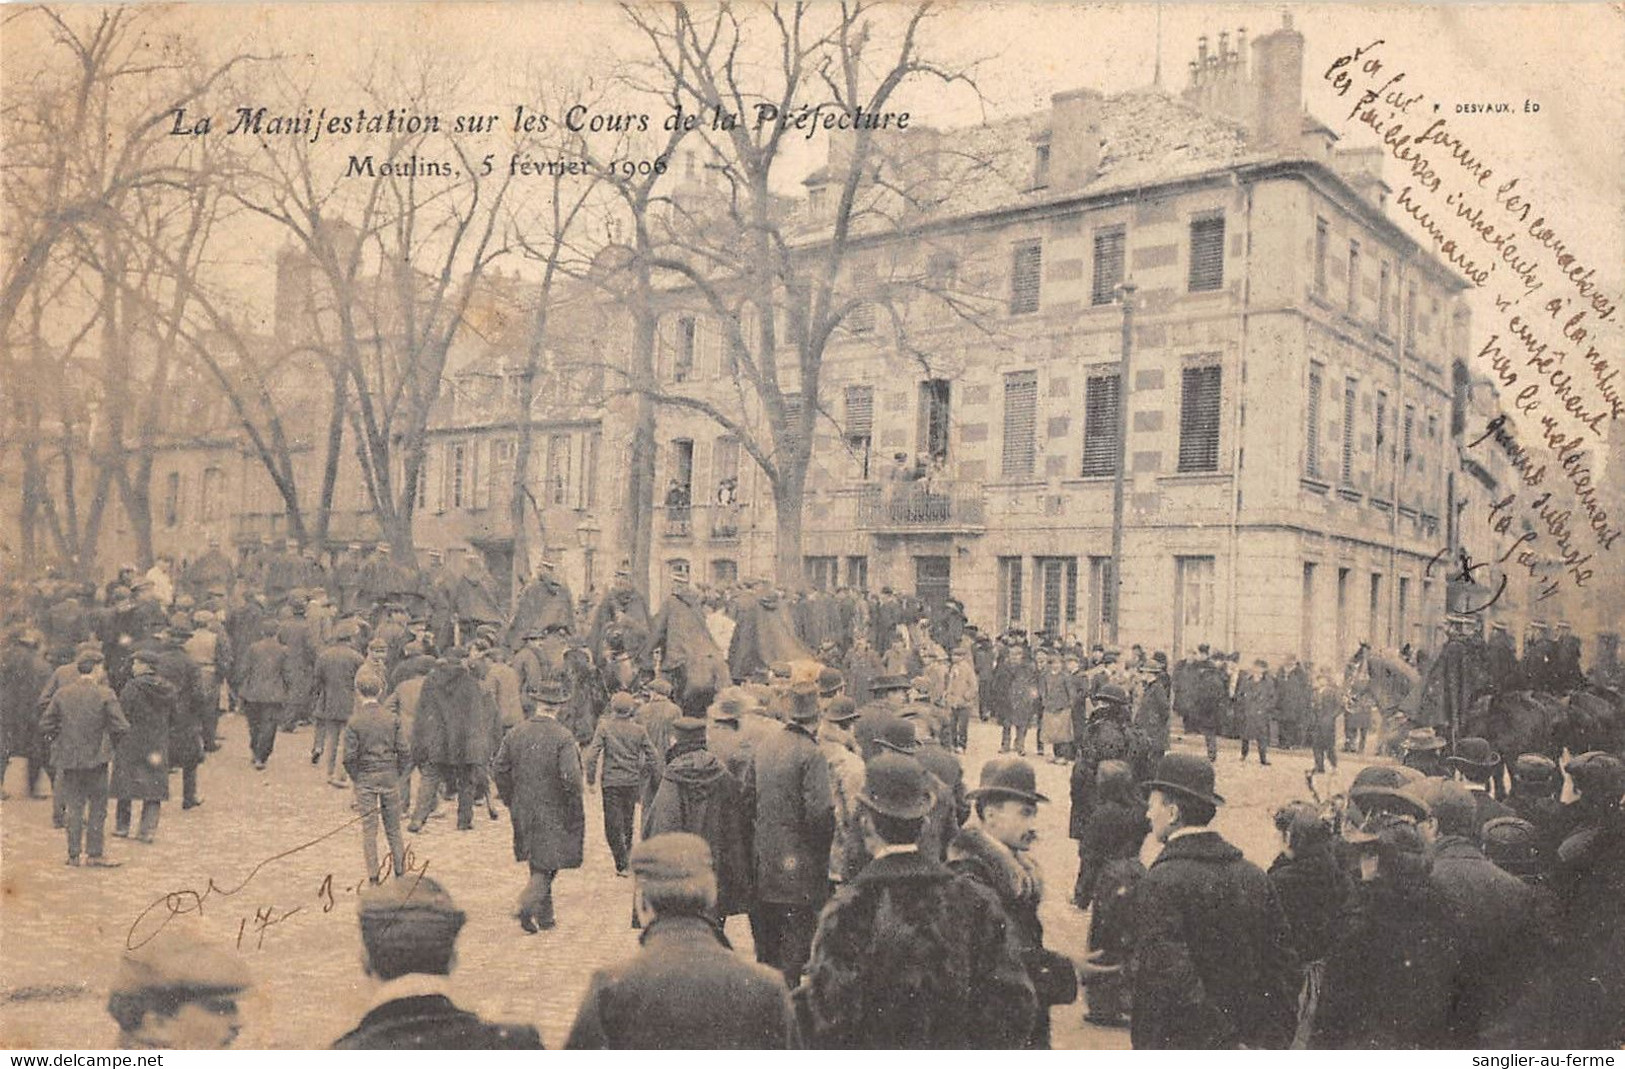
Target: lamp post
<point>587,535</point>
<point>1126,290</point>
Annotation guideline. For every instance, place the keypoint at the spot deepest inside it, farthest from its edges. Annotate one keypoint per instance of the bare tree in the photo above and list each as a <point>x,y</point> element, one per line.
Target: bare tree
<point>744,247</point>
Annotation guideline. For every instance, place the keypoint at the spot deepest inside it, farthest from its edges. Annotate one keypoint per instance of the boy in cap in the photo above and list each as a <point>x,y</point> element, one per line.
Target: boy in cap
<point>177,994</point>
<point>630,763</point>
<point>941,970</point>
<point>376,751</point>
<point>409,931</point>
<point>685,989</point>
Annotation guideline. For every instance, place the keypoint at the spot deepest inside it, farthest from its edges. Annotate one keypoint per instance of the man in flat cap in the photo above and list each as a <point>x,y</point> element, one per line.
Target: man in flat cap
<point>909,955</point>
<point>631,767</point>
<point>82,725</point>
<point>177,994</point>
<point>409,931</point>
<point>685,989</point>
<point>538,774</point>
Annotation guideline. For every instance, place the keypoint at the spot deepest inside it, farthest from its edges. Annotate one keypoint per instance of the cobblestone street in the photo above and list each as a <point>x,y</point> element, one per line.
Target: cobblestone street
<point>270,864</point>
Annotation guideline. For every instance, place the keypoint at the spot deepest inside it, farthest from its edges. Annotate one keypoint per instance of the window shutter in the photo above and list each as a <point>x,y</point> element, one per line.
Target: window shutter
<point>860,411</point>
<point>1108,264</point>
<point>1207,253</point>
<point>1020,417</point>
<point>1409,435</point>
<point>480,490</point>
<point>1311,447</point>
<point>1350,395</point>
<point>1100,425</point>
<point>1026,271</point>
<point>792,420</point>
<point>1199,419</point>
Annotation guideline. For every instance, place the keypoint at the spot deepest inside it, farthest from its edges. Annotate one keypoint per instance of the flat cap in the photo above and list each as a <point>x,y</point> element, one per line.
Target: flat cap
<point>408,899</point>
<point>180,963</point>
<point>690,727</point>
<point>729,706</point>
<point>672,856</point>
<point>622,702</point>
<point>660,686</point>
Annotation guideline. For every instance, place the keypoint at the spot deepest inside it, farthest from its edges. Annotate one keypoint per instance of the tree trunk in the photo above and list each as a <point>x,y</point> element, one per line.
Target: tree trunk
<point>330,468</point>
<point>789,493</point>
<point>637,519</point>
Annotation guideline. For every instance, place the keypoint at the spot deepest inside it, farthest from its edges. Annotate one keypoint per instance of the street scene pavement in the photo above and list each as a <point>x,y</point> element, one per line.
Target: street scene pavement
<point>271,866</point>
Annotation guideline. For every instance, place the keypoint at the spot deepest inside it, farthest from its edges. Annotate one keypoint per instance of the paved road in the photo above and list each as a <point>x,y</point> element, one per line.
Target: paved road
<point>270,864</point>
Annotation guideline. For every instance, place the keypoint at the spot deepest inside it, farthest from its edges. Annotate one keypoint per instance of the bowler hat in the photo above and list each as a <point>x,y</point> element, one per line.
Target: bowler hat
<point>1390,787</point>
<point>622,703</point>
<point>1536,767</point>
<point>1475,753</point>
<point>1007,777</point>
<point>1513,844</point>
<point>548,692</point>
<point>729,705</point>
<point>887,684</point>
<point>897,786</point>
<point>804,702</point>
<point>659,686</point>
<point>1599,774</point>
<point>1186,775</point>
<point>830,680</point>
<point>1422,739</point>
<point>1111,694</point>
<point>841,710</point>
<point>690,727</point>
<point>895,734</point>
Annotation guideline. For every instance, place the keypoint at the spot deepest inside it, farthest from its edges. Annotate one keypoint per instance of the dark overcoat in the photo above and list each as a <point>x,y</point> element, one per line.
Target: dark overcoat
<point>788,784</point>
<point>335,682</point>
<point>1015,693</point>
<point>23,675</point>
<point>1314,891</point>
<point>765,636</point>
<point>141,757</point>
<point>82,722</point>
<point>543,603</point>
<point>1212,968</point>
<point>451,727</point>
<point>538,774</point>
<point>686,645</point>
<point>191,699</point>
<point>433,1022</point>
<point>260,674</point>
<point>698,794</point>
<point>685,989</point>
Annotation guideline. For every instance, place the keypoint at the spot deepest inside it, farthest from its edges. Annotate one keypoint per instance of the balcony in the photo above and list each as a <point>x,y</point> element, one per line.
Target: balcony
<point>941,505</point>
<point>717,523</point>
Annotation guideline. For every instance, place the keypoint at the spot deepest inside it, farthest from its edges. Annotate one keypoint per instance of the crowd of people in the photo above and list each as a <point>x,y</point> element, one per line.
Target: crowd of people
<point>794,758</point>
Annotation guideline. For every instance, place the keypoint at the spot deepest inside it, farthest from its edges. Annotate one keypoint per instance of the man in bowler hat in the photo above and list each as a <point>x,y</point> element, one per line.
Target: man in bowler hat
<point>1211,964</point>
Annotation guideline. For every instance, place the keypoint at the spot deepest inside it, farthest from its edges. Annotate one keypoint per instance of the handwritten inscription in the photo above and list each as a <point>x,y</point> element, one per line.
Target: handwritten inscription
<point>1552,346</point>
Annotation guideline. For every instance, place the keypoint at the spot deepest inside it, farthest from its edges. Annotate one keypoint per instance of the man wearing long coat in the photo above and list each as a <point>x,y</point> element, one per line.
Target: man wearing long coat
<point>765,636</point>
<point>450,738</point>
<point>698,794</point>
<point>538,775</point>
<point>688,653</point>
<point>141,757</point>
<point>302,642</point>
<point>333,701</point>
<point>544,604</point>
<point>23,675</point>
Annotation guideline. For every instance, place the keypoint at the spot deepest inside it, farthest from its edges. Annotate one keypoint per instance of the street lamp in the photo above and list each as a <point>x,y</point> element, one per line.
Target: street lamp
<point>587,536</point>
<point>1126,292</point>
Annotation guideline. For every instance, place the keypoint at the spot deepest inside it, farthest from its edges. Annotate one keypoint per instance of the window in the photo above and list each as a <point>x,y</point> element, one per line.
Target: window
<point>1408,434</point>
<point>209,501</point>
<point>1354,277</point>
<point>1350,396</point>
<point>822,573</point>
<point>1102,598</point>
<point>1194,594</point>
<point>1109,244</point>
<point>1307,617</point>
<point>503,453</point>
<point>857,573</point>
<point>558,468</point>
<point>1384,281</point>
<point>1199,419</point>
<point>1322,240</point>
<point>1404,608</point>
<point>1041,165</point>
<point>1374,617</point>
<point>933,427</point>
<point>1026,271</point>
<point>516,390</point>
<point>1020,418</point>
<point>724,572</point>
<point>792,420</point>
<point>725,460</point>
<point>1311,440</point>
<point>682,464</point>
<point>589,472</point>
<point>1342,613</point>
<point>1057,582</point>
<point>1410,317</point>
<point>860,318</point>
<point>933,580</point>
<point>1433,427</point>
<point>1010,576</point>
<point>860,422</point>
<point>941,270</point>
<point>423,482</point>
<point>1382,421</point>
<point>456,471</point>
<point>172,499</point>
<point>1207,253</point>
<point>818,200</point>
<point>1101,427</point>
<point>683,366</point>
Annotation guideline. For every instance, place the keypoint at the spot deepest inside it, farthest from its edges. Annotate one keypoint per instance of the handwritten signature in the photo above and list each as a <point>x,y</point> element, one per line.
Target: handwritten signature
<point>159,913</point>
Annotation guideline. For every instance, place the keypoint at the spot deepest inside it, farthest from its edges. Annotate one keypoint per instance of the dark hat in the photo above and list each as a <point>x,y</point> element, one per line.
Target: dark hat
<point>1007,777</point>
<point>183,965</point>
<point>1475,753</point>
<point>729,706</point>
<point>830,680</point>
<point>1186,775</point>
<point>661,686</point>
<point>622,703</point>
<point>1513,844</point>
<point>1160,658</point>
<point>887,684</point>
<point>409,912</point>
<point>1598,774</point>
<point>1452,805</point>
<point>1391,787</point>
<point>1535,767</point>
<point>779,670</point>
<point>548,692</point>
<point>672,857</point>
<point>1112,694</point>
<point>897,786</point>
<point>1422,739</point>
<point>841,710</point>
<point>689,727</point>
<point>895,734</point>
<point>804,702</point>
<point>91,655</point>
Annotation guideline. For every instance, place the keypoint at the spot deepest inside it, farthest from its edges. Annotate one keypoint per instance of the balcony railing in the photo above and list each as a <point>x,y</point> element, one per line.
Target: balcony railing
<point>938,503</point>
<point>719,523</point>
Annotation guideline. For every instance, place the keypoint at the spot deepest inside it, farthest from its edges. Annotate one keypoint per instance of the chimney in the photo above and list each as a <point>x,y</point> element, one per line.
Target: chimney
<point>1277,114</point>
<point>1074,141</point>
